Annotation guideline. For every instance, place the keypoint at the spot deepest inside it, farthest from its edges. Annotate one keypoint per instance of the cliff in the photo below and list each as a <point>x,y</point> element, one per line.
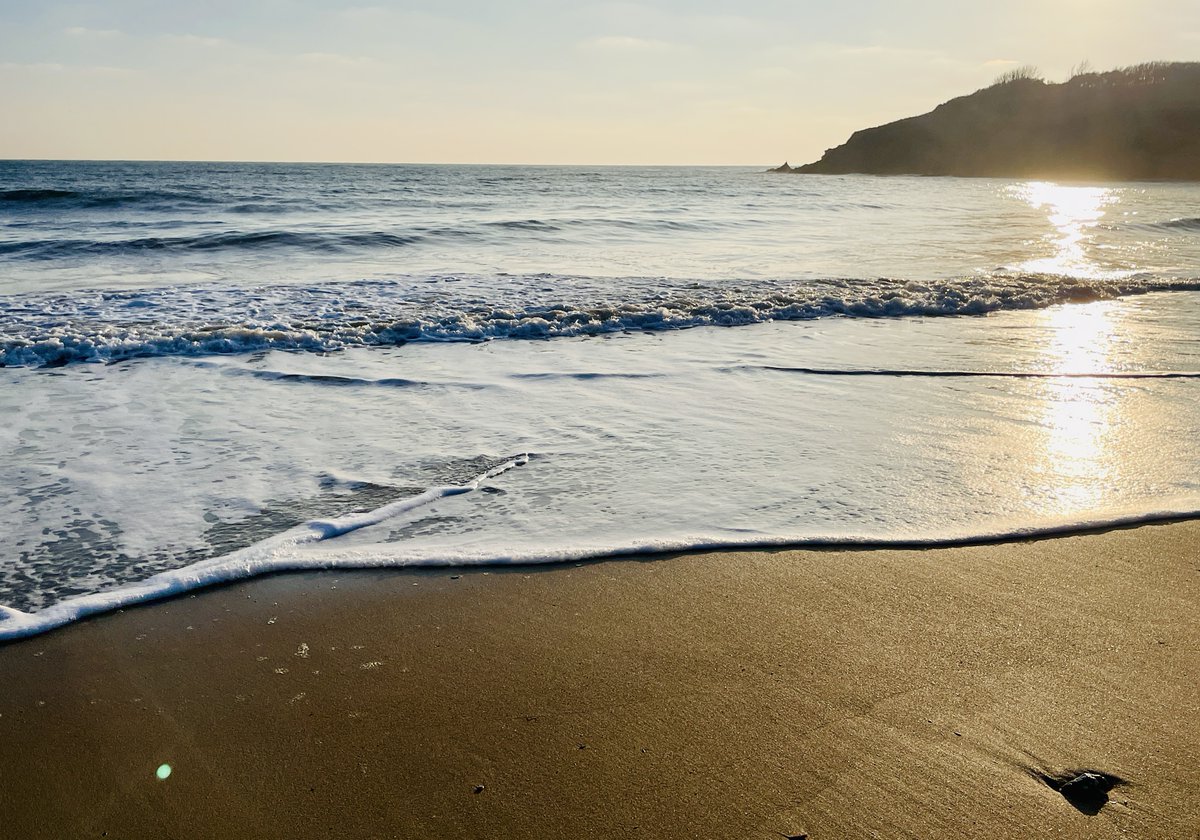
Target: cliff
<point>1136,123</point>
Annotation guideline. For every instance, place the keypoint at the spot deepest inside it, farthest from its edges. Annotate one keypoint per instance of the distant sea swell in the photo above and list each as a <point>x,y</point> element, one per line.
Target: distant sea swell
<point>333,241</point>
<point>227,240</point>
<point>1182,224</point>
<point>58,200</point>
<point>43,329</point>
<point>313,242</point>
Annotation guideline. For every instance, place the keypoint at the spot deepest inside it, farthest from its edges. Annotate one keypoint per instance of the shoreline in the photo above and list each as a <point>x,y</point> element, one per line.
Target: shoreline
<point>16,625</point>
<point>766,693</point>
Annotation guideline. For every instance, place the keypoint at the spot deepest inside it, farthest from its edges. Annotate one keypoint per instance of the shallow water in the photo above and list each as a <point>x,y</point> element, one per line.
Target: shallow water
<point>324,397</point>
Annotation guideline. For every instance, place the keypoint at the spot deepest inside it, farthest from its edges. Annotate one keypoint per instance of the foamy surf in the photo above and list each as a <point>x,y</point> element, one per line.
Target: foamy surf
<point>274,554</point>
<point>905,361</point>
<point>51,331</point>
<point>285,554</point>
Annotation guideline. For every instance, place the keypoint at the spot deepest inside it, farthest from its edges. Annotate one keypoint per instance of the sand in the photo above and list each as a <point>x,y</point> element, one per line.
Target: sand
<point>719,695</point>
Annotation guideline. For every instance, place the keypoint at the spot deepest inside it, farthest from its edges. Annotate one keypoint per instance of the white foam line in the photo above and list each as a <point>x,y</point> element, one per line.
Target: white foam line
<point>390,555</point>
<point>268,555</point>
<point>327,528</point>
<point>52,330</point>
<point>278,554</point>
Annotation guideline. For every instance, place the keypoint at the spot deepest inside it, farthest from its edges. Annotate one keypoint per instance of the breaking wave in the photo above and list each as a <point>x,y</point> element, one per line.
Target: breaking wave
<point>53,330</point>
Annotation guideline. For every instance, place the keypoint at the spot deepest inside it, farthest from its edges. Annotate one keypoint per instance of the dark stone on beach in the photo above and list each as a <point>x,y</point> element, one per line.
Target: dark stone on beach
<point>1086,790</point>
<point>479,788</point>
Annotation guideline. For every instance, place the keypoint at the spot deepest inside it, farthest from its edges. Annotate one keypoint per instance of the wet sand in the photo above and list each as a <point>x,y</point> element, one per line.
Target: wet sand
<point>720,695</point>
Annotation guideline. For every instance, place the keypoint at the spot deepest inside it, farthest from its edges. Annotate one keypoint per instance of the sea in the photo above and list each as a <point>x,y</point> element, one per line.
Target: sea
<point>210,371</point>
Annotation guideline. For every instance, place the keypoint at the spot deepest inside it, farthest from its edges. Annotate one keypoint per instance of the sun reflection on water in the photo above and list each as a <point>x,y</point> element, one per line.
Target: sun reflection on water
<point>1080,414</point>
<point>1073,211</point>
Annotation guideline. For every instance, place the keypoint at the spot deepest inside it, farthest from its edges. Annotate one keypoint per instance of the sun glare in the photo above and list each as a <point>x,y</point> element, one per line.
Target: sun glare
<point>1078,413</point>
<point>1073,212</point>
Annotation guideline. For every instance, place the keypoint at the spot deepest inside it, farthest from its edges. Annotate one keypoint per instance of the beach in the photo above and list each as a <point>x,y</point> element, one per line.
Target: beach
<point>762,694</point>
<point>434,422</point>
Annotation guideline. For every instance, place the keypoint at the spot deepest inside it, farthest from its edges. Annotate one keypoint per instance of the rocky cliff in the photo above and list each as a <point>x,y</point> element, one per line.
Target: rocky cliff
<point>1136,123</point>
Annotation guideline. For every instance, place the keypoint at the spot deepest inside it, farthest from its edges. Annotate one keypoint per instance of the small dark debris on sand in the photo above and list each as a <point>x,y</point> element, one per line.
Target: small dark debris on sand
<point>1086,790</point>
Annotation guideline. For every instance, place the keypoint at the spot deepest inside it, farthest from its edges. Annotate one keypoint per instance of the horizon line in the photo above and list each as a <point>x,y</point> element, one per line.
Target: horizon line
<point>370,163</point>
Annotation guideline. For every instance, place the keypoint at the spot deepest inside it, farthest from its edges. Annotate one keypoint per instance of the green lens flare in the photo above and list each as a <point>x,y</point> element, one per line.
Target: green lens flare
<point>163,771</point>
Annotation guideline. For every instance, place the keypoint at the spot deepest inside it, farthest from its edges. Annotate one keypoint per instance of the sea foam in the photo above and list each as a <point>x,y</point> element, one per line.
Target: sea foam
<point>857,406</point>
<point>285,553</point>
<point>276,553</point>
<point>53,330</point>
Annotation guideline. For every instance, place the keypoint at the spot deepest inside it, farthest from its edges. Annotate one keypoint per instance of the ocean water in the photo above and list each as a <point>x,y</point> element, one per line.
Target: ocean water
<point>209,371</point>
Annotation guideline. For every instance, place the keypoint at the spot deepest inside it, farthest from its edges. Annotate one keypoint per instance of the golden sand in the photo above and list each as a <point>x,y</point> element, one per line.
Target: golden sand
<point>764,694</point>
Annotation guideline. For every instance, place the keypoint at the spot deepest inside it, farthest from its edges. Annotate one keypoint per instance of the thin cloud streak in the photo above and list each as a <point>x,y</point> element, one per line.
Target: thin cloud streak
<point>85,32</point>
<point>626,43</point>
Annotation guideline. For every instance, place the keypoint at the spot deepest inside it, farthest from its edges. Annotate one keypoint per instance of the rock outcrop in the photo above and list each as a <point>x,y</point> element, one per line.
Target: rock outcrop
<point>1140,122</point>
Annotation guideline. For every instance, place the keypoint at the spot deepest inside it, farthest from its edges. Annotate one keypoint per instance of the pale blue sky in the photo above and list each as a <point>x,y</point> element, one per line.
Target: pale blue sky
<point>526,81</point>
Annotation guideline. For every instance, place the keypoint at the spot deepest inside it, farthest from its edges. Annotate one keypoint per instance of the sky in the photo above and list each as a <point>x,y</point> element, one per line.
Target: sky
<point>527,81</point>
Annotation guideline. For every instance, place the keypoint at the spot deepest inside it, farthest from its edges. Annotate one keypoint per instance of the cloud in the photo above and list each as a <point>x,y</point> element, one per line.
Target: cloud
<point>626,43</point>
<point>55,68</point>
<point>85,32</point>
<point>337,60</point>
<point>105,70</point>
<point>726,26</point>
<point>364,12</point>
<point>879,54</point>
<point>198,41</point>
<point>1000,62</point>
<point>886,52</point>
<point>774,73</point>
<point>39,67</point>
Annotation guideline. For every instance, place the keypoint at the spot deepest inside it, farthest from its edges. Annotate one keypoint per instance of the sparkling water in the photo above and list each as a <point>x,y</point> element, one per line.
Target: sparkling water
<point>215,370</point>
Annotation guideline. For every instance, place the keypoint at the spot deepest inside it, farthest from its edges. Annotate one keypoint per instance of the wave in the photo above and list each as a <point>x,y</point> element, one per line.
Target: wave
<point>229,240</point>
<point>587,376</point>
<point>525,224</point>
<point>342,381</point>
<point>60,199</point>
<point>310,241</point>
<point>1182,224</point>
<point>32,196</point>
<point>54,330</point>
<point>261,558</point>
<point>301,549</point>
